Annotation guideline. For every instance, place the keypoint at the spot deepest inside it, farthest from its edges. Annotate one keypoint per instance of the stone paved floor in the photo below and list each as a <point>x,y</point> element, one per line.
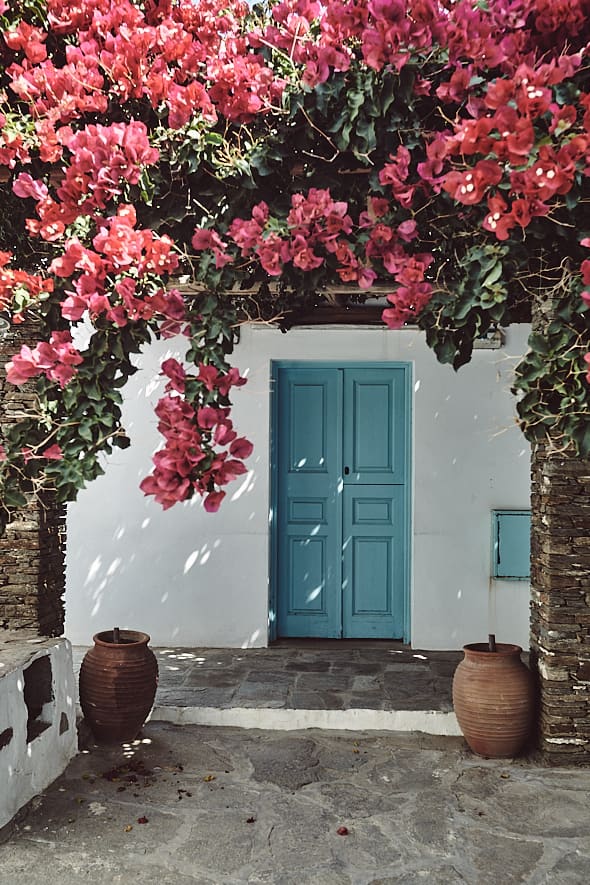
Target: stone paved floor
<point>307,675</point>
<point>228,806</point>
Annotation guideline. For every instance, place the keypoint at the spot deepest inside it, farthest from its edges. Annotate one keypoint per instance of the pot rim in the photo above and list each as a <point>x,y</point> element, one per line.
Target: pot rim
<point>130,639</point>
<point>481,649</point>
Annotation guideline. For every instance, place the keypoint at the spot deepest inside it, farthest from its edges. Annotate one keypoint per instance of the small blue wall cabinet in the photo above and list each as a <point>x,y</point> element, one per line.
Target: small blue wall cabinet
<point>511,544</point>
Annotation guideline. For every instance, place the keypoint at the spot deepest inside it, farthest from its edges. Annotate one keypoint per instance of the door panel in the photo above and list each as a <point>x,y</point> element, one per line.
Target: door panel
<point>307,565</point>
<point>309,506</point>
<point>374,426</point>
<point>341,523</point>
<point>373,562</point>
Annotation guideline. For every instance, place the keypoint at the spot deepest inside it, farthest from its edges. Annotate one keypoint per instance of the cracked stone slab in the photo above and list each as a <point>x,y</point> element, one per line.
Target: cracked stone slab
<point>262,692</point>
<point>313,666</point>
<point>324,700</point>
<point>270,677</point>
<point>292,763</point>
<point>193,696</point>
<point>306,700</point>
<point>325,876</point>
<point>203,851</point>
<point>326,681</point>
<point>519,856</point>
<point>365,700</point>
<point>425,876</point>
<point>351,801</point>
<point>211,678</point>
<point>88,867</point>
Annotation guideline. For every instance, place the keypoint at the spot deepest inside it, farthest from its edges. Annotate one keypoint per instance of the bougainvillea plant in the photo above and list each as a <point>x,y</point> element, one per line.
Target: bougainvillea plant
<point>271,154</point>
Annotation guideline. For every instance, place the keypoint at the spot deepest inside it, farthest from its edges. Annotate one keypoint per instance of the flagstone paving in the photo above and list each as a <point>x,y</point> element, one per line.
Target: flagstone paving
<point>194,805</point>
<point>308,684</point>
<point>311,675</point>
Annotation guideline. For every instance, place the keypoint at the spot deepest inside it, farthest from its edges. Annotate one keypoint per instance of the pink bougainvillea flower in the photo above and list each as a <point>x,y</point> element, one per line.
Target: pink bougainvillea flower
<point>230,469</point>
<point>270,253</point>
<point>26,186</point>
<point>208,375</point>
<point>56,359</point>
<point>469,187</point>
<point>241,448</point>
<point>408,302</point>
<point>204,238</point>
<point>22,367</point>
<point>304,257</point>
<point>176,374</point>
<point>230,379</point>
<point>365,277</point>
<point>28,38</point>
<point>408,230</point>
<point>53,453</point>
<point>207,417</point>
<point>224,434</point>
<point>167,488</point>
<point>521,212</point>
<point>213,501</point>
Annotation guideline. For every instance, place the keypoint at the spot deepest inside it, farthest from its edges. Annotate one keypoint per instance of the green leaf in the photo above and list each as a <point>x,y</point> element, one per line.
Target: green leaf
<point>538,343</point>
<point>445,350</point>
<point>493,275</point>
<point>13,498</point>
<point>85,431</point>
<point>581,437</point>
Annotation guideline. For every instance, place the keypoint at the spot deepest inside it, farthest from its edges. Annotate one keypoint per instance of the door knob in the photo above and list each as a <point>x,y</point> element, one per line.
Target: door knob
<point>346,471</point>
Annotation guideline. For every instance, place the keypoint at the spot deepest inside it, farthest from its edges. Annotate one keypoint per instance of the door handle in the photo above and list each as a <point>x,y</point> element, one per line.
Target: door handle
<point>346,471</point>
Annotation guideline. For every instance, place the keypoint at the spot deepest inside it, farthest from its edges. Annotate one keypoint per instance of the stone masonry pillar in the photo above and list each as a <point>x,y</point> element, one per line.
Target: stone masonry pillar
<point>560,584</point>
<point>560,602</point>
<point>32,563</point>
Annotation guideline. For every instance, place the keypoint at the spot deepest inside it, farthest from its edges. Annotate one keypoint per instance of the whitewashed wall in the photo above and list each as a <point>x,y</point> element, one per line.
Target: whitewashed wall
<point>191,578</point>
<point>28,767</point>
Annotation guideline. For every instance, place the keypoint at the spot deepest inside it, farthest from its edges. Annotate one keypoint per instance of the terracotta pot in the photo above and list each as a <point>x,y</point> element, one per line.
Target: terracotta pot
<point>118,682</point>
<point>494,699</point>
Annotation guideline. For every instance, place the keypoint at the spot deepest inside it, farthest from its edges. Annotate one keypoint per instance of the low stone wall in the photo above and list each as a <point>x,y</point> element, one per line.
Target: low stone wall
<point>37,716</point>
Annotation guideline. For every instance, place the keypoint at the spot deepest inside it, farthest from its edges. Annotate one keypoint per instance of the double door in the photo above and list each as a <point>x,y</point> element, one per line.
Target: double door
<point>342,524</point>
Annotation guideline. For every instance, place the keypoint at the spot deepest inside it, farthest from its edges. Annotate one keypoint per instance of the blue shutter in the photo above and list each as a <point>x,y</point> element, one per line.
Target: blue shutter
<point>511,544</point>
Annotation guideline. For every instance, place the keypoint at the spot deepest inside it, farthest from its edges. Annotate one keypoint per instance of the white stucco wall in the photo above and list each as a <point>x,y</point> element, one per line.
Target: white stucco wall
<point>192,578</point>
<point>28,768</point>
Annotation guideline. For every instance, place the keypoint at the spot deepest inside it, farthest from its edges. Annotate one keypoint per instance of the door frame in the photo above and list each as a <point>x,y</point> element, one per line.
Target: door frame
<point>275,367</point>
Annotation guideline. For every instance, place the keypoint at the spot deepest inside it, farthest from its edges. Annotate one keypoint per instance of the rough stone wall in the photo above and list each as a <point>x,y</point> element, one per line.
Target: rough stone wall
<point>32,570</point>
<point>560,601</point>
<point>32,562</point>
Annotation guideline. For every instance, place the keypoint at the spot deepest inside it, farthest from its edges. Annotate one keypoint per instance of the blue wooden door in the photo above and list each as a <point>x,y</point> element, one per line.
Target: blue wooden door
<point>341,525</point>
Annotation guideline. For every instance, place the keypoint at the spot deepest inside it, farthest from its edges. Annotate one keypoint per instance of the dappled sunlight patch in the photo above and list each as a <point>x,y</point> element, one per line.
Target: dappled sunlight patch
<point>190,561</point>
<point>248,643</point>
<point>93,570</point>
<point>246,486</point>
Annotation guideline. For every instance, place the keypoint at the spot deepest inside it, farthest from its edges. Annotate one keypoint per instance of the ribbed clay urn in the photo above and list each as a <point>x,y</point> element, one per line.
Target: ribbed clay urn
<point>494,699</point>
<point>118,681</point>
